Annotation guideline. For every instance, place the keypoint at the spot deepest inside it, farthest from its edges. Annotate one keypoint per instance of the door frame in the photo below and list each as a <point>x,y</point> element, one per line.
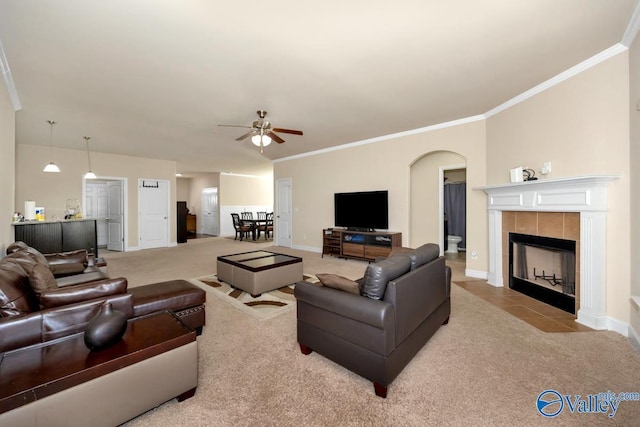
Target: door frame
<point>124,182</point>
<point>441,171</point>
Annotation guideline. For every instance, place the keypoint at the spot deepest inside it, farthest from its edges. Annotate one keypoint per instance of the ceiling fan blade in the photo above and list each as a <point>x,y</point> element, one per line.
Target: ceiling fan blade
<point>275,137</point>
<point>236,126</point>
<point>295,132</point>
<point>247,135</point>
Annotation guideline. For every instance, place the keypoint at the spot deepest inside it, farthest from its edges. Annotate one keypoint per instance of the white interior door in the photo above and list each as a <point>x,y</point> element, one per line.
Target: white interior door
<point>153,208</point>
<point>115,216</point>
<point>96,206</point>
<point>209,213</point>
<point>282,221</point>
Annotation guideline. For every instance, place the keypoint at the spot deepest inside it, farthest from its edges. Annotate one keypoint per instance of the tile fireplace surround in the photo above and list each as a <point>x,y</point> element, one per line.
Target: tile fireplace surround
<point>586,195</point>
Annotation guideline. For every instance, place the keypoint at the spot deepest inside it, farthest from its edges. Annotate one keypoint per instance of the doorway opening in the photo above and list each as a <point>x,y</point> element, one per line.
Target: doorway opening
<point>453,210</point>
<point>105,201</point>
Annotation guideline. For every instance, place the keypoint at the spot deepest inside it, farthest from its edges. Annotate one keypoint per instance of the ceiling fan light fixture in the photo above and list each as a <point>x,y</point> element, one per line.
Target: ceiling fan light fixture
<point>257,139</point>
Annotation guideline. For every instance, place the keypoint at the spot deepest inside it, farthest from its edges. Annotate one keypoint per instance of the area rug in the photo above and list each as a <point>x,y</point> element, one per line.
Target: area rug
<point>266,306</point>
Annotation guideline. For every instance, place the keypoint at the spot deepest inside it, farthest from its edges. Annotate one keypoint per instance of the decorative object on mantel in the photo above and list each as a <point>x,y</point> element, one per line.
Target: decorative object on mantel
<point>51,167</point>
<point>106,329</point>
<point>89,174</point>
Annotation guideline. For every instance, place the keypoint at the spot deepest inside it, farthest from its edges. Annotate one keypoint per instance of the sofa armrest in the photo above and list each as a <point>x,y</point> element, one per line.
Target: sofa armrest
<point>417,294</point>
<point>362,309</point>
<point>20,331</point>
<point>73,318</point>
<point>86,291</point>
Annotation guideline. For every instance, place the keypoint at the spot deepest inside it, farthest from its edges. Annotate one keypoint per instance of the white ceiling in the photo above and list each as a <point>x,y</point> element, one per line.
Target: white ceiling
<point>154,78</point>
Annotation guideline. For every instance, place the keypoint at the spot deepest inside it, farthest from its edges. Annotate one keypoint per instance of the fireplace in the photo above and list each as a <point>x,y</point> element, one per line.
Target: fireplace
<point>586,196</point>
<point>544,268</point>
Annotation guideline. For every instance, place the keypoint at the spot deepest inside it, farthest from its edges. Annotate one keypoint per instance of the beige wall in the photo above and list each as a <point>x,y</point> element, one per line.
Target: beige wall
<point>211,180</point>
<point>385,165</point>
<point>52,190</point>
<point>425,196</point>
<point>634,107</point>
<point>183,190</point>
<point>7,168</point>
<point>582,126</point>
<point>238,190</point>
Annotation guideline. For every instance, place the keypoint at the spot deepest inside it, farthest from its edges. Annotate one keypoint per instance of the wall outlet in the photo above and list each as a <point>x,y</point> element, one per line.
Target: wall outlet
<point>474,254</point>
<point>546,168</point>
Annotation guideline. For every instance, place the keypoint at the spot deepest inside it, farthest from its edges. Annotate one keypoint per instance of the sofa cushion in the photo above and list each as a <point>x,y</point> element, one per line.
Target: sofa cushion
<point>41,279</point>
<point>339,282</point>
<point>377,275</point>
<point>17,247</point>
<point>16,296</point>
<point>423,254</point>
<point>85,292</point>
<point>67,263</point>
<point>67,269</point>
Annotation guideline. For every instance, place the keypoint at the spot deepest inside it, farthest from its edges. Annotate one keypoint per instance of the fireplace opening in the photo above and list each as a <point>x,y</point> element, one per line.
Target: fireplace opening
<point>544,268</point>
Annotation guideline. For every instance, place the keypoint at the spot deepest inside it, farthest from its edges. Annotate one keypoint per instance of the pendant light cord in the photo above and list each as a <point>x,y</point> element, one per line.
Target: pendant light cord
<point>86,139</point>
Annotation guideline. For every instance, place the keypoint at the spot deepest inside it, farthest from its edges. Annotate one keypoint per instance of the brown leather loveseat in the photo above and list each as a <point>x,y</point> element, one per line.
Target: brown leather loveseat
<point>36,306</point>
<point>378,326</point>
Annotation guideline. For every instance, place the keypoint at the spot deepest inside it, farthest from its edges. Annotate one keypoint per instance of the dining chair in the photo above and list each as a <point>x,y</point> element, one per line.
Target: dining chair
<point>261,215</point>
<point>246,215</point>
<point>241,228</point>
<point>268,226</point>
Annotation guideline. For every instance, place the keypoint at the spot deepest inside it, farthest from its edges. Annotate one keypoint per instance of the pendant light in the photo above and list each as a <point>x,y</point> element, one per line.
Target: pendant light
<point>51,167</point>
<point>89,174</point>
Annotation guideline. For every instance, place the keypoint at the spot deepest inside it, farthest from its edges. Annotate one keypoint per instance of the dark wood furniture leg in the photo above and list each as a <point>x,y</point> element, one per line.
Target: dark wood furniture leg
<point>186,395</point>
<point>305,350</point>
<point>380,390</point>
<point>446,321</point>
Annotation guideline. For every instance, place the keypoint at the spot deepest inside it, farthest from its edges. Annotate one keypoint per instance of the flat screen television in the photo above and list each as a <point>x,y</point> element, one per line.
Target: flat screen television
<point>362,211</point>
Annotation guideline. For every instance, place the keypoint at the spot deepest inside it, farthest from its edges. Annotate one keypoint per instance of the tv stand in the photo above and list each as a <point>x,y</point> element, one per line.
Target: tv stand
<point>363,245</point>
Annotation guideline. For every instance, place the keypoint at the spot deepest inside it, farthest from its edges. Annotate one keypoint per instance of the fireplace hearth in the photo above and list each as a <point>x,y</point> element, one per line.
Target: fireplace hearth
<point>544,268</point>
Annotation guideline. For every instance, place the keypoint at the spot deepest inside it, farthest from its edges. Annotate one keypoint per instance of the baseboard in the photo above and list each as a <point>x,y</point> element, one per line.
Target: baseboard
<point>173,244</point>
<point>618,326</point>
<point>476,274</point>
<point>634,338</point>
<point>307,248</point>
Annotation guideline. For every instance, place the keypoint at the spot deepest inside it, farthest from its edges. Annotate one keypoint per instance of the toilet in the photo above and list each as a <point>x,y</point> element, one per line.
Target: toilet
<point>452,244</point>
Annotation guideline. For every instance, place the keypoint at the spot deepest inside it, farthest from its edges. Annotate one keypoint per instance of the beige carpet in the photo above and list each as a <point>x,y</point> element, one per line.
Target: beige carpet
<point>484,368</point>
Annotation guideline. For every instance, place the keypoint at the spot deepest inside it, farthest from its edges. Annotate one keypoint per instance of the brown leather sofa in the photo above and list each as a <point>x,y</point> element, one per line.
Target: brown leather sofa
<point>376,331</point>
<point>36,306</point>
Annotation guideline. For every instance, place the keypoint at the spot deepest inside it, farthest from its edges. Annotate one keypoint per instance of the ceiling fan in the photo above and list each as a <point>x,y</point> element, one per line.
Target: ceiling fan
<point>262,132</point>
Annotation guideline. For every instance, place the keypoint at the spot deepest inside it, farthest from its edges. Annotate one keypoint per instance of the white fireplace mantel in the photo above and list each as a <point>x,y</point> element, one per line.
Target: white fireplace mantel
<point>586,195</point>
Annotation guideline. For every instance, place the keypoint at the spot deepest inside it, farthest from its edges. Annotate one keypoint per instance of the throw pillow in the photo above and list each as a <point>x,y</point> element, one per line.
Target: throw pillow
<point>41,279</point>
<point>338,282</point>
<point>378,274</point>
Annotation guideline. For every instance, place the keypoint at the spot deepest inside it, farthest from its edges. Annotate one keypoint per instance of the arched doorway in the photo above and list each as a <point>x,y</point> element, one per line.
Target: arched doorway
<point>426,216</point>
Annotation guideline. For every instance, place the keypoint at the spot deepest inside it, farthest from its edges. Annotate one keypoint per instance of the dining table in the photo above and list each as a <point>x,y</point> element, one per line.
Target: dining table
<point>255,223</point>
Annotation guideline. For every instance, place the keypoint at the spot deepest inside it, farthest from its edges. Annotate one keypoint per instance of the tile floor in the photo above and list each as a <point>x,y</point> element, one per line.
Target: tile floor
<point>536,313</point>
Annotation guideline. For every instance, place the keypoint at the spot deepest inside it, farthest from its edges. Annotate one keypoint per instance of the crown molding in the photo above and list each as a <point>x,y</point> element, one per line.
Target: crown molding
<point>8,80</point>
<point>633,27</point>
